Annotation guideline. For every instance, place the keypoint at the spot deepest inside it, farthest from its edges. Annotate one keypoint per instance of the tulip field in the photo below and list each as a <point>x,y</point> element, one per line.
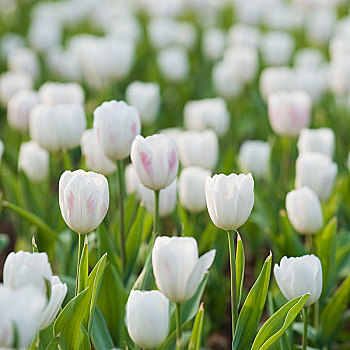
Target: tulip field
<point>175,174</point>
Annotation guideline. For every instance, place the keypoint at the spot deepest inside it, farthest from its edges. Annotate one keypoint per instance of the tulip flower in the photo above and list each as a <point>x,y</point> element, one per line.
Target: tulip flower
<point>24,60</point>
<point>316,171</point>
<point>145,97</point>
<point>23,269</point>
<point>147,318</point>
<point>304,210</point>
<point>192,188</point>
<point>298,276</point>
<point>83,199</point>
<point>229,199</point>
<point>34,161</point>
<point>177,269</point>
<point>19,107</point>
<point>57,127</point>
<point>131,180</point>
<point>320,140</point>
<point>289,112</point>
<point>199,148</point>
<point>213,43</point>
<point>95,158</point>
<point>155,160</point>
<point>116,125</point>
<point>243,35</point>
<point>254,156</point>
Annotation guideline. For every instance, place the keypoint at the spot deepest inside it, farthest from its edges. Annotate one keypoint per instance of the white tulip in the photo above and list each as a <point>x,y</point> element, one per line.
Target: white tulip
<point>155,160</point>
<point>24,60</point>
<point>339,75</point>
<point>173,63</point>
<point>34,161</point>
<point>320,140</point>
<point>52,93</point>
<point>174,133</point>
<point>289,112</point>
<point>10,42</point>
<point>308,58</point>
<point>254,156</point>
<point>167,198</point>
<point>304,210</point>
<point>192,188</point>
<point>213,43</point>
<point>199,148</point>
<point>145,97</point>
<point>95,159</point>
<point>177,269</point>
<point>230,199</point>
<point>243,35</point>
<point>116,125</point>
<point>19,107</point>
<point>298,276</point>
<point>147,318</point>
<point>316,171</point>
<point>131,180</point>
<point>83,199</point>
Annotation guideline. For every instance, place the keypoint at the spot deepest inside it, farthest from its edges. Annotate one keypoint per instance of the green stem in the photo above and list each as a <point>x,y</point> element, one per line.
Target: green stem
<point>285,163</point>
<point>234,310</point>
<point>305,320</point>
<point>156,213</point>
<point>121,214</point>
<point>308,242</point>
<point>178,326</point>
<point>81,246</point>
<point>67,161</point>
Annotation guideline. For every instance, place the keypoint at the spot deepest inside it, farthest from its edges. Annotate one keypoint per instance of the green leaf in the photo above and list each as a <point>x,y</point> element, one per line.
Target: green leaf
<point>101,337</point>
<point>185,223</point>
<point>84,339</point>
<point>4,241</point>
<point>252,309</point>
<point>240,263</point>
<point>278,323</point>
<point>83,268</point>
<point>53,345</point>
<point>195,340</point>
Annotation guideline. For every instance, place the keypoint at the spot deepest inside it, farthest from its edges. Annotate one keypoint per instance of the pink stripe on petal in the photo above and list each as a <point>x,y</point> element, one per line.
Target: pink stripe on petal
<point>91,205</point>
<point>172,159</point>
<point>146,162</point>
<point>70,203</point>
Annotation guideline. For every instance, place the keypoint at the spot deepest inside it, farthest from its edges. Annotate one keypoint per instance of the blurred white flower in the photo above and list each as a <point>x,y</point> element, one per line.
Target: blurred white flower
<point>24,60</point>
<point>339,74</point>
<point>10,42</point>
<point>53,93</point>
<point>243,35</point>
<point>308,58</point>
<point>131,180</point>
<point>213,43</point>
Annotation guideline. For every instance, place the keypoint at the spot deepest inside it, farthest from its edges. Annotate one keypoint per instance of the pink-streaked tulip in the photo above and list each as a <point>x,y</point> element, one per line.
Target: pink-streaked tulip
<point>289,112</point>
<point>177,268</point>
<point>83,199</point>
<point>155,160</point>
<point>116,125</point>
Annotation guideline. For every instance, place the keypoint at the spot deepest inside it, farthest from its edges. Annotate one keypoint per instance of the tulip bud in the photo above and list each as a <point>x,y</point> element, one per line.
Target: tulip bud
<point>209,113</point>
<point>12,82</point>
<point>24,60</point>
<point>116,125</point>
<point>304,210</point>
<point>213,43</point>
<point>176,267</point>
<point>61,93</point>
<point>254,156</point>
<point>243,35</point>
<point>34,161</point>
<point>192,188</point>
<point>229,199</point>
<point>308,58</point>
<point>199,148</point>
<point>289,112</point>
<point>95,159</point>
<point>21,311</point>
<point>83,199</point>
<point>57,127</point>
<point>155,160</point>
<point>147,318</point>
<point>131,180</point>
<point>24,269</point>
<point>167,198</point>
<point>298,276</point>
<point>145,97</point>
<point>19,107</point>
<point>320,140</point>
<point>316,171</point>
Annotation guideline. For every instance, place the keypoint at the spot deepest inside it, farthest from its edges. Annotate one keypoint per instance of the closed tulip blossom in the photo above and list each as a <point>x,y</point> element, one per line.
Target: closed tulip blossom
<point>304,210</point>
<point>298,276</point>
<point>229,199</point>
<point>254,156</point>
<point>320,140</point>
<point>155,160</point>
<point>95,158</point>
<point>199,148</point>
<point>145,97</point>
<point>24,269</point>
<point>24,60</point>
<point>289,112</point>
<point>57,127</point>
<point>177,269</point>
<point>192,188</point>
<point>131,180</point>
<point>83,199</point>
<point>116,125</point>
<point>34,161</point>
<point>167,198</point>
<point>316,171</point>
<point>147,318</point>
